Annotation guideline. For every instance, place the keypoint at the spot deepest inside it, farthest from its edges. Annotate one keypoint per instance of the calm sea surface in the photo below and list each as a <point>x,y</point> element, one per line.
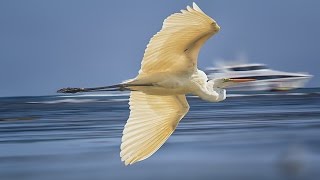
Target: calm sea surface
<point>247,136</point>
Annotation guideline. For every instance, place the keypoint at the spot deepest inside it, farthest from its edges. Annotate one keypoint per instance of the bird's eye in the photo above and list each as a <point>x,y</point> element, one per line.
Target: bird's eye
<point>208,80</point>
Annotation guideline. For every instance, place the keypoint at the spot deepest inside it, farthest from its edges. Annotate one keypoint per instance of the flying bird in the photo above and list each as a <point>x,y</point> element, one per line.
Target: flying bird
<point>168,72</point>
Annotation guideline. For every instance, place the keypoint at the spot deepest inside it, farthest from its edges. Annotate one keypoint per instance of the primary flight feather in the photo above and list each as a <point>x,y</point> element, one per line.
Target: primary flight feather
<point>168,72</point>
<point>176,46</point>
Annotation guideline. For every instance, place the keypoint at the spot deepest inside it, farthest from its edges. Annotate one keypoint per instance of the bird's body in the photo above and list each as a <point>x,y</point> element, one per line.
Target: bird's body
<point>165,83</point>
<point>168,72</point>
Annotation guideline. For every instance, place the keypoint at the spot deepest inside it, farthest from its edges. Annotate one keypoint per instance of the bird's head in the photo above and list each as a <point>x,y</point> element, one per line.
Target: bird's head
<point>226,82</point>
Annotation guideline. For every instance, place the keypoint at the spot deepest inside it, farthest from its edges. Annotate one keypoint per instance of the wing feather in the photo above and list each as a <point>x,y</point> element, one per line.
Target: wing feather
<point>176,46</point>
<point>152,120</point>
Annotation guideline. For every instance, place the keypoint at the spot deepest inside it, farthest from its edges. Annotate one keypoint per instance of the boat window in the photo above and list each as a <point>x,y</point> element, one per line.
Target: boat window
<point>247,68</point>
<point>269,77</point>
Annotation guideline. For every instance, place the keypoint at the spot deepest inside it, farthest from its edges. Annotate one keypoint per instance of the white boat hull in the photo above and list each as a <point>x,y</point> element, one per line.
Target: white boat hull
<point>273,84</point>
<point>266,79</point>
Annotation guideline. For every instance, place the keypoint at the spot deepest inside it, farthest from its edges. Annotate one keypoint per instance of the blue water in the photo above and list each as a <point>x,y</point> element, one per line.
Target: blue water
<point>247,136</point>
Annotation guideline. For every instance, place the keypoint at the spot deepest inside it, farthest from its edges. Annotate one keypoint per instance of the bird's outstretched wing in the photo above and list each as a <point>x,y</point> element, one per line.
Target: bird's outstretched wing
<point>176,46</point>
<point>152,120</point>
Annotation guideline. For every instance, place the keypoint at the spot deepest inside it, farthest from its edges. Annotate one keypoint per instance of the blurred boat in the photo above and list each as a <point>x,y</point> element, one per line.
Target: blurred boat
<point>266,78</point>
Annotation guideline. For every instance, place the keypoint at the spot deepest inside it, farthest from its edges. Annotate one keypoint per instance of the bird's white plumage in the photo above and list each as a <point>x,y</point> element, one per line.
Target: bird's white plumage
<point>152,120</point>
<point>176,46</point>
<point>169,68</point>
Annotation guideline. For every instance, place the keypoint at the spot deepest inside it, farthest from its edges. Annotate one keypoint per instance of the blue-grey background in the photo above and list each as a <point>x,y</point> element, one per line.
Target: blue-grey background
<point>46,45</point>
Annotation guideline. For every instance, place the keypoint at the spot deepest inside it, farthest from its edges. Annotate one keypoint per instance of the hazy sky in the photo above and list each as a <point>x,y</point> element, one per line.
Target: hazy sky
<point>46,45</point>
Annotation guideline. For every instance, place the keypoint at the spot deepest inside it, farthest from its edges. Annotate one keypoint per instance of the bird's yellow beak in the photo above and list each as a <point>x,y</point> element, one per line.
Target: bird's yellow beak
<point>240,80</point>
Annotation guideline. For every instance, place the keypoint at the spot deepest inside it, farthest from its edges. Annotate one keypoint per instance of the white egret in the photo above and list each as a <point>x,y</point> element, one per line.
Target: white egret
<point>168,72</point>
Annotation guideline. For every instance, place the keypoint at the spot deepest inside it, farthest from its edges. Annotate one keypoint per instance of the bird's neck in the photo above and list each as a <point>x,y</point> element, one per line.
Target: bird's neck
<point>204,89</point>
<point>222,94</point>
<point>212,94</point>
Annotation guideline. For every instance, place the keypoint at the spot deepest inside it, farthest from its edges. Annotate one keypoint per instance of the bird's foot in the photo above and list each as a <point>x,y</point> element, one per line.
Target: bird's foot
<point>70,90</point>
